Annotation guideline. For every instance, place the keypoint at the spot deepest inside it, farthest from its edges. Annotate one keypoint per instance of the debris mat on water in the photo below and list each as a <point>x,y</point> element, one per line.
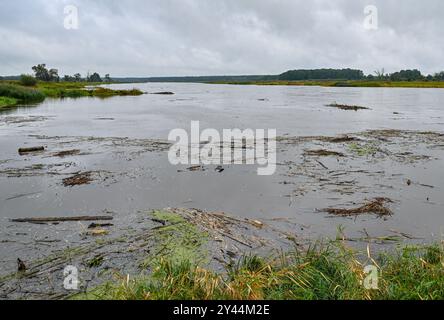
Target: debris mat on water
<point>323,153</point>
<point>375,206</point>
<point>66,153</point>
<point>339,139</point>
<point>78,179</point>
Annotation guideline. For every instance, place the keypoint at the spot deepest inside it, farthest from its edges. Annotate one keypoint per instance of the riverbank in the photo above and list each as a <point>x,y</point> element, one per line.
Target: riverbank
<point>12,93</point>
<point>190,254</point>
<point>331,272</point>
<point>336,83</point>
<point>315,271</point>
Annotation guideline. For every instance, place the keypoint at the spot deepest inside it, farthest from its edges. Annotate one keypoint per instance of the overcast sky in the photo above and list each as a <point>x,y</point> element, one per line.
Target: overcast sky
<point>217,37</point>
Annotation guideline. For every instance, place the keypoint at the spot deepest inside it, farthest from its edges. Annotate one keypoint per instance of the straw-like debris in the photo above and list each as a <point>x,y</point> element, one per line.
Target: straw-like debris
<point>323,153</point>
<point>375,206</point>
<point>339,139</point>
<point>78,179</point>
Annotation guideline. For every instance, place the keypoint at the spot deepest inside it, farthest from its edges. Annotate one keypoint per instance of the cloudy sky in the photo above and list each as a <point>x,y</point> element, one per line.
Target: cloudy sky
<point>216,37</point>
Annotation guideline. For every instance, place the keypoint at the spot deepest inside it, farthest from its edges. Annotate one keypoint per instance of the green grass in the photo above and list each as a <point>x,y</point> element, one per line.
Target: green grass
<point>12,93</point>
<point>6,102</point>
<point>79,89</point>
<point>177,268</point>
<point>105,92</point>
<point>363,149</point>
<point>350,83</point>
<point>22,94</point>
<point>319,273</point>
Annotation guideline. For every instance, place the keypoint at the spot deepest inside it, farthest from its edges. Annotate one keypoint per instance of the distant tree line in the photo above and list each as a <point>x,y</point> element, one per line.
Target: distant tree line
<point>353,74</point>
<point>42,73</point>
<point>322,74</point>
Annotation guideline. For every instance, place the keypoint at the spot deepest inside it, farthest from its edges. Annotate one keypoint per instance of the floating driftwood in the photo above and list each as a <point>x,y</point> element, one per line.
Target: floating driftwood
<point>347,107</point>
<point>164,92</point>
<point>66,153</point>
<point>31,149</point>
<point>62,219</point>
<point>99,225</point>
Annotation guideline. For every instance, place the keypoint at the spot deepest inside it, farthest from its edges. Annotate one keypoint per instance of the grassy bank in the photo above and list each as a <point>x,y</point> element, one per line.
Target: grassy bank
<point>6,102</point>
<point>12,93</point>
<point>357,83</point>
<point>334,271</point>
<point>79,89</point>
<point>319,273</point>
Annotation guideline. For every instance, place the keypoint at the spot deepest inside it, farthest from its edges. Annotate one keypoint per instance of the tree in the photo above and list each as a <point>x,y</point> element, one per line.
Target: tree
<point>380,74</point>
<point>407,75</point>
<point>54,75</point>
<point>41,73</point>
<point>95,77</point>
<point>322,74</point>
<point>107,78</point>
<point>28,80</point>
<point>68,78</point>
<point>78,77</point>
<point>439,76</point>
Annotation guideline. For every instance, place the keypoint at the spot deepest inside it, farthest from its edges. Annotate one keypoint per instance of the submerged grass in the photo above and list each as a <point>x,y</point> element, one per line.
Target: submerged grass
<point>363,149</point>
<point>320,272</point>
<point>177,239</point>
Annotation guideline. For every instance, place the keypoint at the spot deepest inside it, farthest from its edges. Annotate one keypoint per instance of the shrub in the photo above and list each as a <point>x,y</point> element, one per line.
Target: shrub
<point>28,80</point>
<point>21,93</point>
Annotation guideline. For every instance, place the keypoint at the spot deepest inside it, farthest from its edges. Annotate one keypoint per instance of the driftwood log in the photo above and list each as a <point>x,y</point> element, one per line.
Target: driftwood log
<point>32,149</point>
<point>62,219</point>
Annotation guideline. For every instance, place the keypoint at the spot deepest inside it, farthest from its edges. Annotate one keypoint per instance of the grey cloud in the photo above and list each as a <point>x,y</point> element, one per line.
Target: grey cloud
<point>201,37</point>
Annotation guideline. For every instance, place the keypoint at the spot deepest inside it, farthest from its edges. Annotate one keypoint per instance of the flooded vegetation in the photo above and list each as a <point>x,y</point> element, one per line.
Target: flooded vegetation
<point>87,182</point>
<point>14,93</point>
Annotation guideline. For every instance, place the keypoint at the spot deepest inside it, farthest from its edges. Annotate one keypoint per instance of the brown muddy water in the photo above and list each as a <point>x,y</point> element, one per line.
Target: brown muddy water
<point>117,149</point>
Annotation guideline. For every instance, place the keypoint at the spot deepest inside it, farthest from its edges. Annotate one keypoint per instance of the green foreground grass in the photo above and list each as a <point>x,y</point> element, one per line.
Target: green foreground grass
<point>12,93</point>
<point>355,83</point>
<point>331,272</point>
<point>334,271</point>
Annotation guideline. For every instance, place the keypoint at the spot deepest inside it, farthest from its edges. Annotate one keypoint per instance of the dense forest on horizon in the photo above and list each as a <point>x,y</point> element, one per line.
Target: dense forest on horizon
<point>290,75</point>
